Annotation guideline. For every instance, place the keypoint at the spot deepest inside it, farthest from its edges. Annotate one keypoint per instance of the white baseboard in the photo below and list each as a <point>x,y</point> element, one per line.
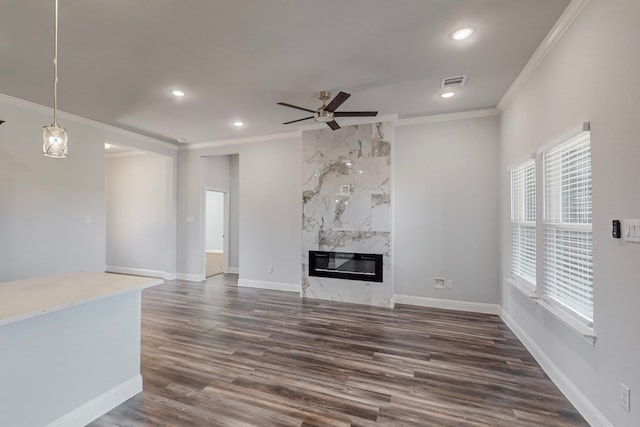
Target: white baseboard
<point>139,272</point>
<point>99,406</point>
<point>190,277</point>
<point>474,307</point>
<point>214,251</point>
<point>274,286</point>
<point>233,270</point>
<point>586,408</point>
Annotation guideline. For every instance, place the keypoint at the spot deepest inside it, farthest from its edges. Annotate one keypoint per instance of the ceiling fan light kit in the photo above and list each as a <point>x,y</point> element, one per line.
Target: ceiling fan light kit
<point>323,116</point>
<point>327,113</point>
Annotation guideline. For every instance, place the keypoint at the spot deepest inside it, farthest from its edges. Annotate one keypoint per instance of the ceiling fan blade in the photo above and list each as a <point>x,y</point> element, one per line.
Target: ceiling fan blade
<point>355,114</point>
<point>333,125</point>
<point>299,120</point>
<point>337,101</point>
<point>296,107</point>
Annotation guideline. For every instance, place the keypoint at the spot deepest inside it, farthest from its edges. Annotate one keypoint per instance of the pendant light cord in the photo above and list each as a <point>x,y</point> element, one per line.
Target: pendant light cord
<point>55,67</point>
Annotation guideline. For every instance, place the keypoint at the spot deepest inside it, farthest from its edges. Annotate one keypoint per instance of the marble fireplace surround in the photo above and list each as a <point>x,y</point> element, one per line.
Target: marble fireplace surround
<point>346,184</point>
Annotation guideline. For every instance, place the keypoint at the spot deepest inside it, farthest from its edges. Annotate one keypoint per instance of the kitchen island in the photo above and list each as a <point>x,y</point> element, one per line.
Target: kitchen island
<point>69,347</point>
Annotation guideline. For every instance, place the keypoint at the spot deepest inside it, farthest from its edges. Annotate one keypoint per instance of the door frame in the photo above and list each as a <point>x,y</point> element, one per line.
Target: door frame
<point>225,236</point>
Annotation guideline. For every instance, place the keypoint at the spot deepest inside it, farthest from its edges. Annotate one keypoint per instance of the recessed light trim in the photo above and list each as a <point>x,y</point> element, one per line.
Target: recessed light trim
<point>462,33</point>
<point>238,124</point>
<point>448,94</point>
<point>178,93</point>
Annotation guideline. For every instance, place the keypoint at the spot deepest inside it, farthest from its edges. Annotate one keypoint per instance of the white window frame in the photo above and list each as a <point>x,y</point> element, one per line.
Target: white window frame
<point>523,185</point>
<point>551,283</point>
<point>577,323</point>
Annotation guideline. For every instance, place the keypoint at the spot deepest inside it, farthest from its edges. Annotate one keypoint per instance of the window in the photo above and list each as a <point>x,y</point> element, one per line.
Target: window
<point>523,225</point>
<point>568,258</point>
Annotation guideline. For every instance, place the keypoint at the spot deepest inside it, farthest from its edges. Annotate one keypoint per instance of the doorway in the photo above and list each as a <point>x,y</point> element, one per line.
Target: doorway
<point>216,224</point>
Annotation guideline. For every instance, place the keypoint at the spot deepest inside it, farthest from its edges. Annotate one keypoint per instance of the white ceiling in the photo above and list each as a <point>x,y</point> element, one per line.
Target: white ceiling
<point>119,59</point>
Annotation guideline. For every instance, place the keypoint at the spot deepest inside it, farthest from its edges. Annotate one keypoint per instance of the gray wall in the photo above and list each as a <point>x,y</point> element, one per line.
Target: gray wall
<point>139,212</point>
<point>270,210</point>
<point>446,209</point>
<point>220,173</point>
<point>580,81</point>
<point>44,202</point>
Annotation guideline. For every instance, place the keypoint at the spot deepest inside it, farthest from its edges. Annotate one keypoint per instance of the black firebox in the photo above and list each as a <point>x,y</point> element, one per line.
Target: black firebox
<point>346,265</point>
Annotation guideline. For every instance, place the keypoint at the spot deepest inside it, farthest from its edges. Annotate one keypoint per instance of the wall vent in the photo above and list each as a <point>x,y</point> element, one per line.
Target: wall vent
<point>456,81</point>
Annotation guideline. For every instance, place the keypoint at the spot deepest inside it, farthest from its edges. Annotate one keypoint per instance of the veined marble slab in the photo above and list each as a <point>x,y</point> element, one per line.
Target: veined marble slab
<point>347,206</point>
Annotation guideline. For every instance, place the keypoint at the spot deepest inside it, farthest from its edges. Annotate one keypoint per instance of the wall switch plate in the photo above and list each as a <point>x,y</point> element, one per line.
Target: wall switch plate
<point>631,230</point>
<point>625,397</point>
<point>439,282</point>
<point>269,268</point>
<point>190,219</point>
<point>449,284</point>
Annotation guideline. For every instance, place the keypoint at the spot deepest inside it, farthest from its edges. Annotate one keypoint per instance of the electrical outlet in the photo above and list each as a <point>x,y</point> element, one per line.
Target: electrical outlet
<point>439,282</point>
<point>625,397</point>
<point>449,284</point>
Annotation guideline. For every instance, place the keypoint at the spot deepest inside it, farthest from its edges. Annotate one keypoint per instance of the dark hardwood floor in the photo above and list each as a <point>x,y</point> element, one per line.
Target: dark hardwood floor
<point>215,354</point>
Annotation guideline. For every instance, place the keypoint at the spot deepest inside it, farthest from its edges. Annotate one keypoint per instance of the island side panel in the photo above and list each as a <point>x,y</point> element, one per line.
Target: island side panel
<point>56,365</point>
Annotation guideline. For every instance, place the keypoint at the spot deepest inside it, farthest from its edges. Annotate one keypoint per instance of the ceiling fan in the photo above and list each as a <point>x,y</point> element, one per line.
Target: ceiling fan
<point>327,113</point>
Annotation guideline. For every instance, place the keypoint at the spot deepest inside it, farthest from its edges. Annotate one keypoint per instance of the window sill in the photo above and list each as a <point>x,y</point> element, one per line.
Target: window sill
<point>521,287</point>
<point>576,325</point>
<point>587,332</point>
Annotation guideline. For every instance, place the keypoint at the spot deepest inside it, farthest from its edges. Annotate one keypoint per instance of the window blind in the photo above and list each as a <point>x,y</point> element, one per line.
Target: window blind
<point>568,259</point>
<point>523,224</point>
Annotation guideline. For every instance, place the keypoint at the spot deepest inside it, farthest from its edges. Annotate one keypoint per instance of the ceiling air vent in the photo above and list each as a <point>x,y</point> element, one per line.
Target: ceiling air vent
<point>451,82</point>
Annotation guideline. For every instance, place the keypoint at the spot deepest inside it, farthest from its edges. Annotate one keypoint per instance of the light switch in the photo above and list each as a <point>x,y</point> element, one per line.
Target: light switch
<point>190,219</point>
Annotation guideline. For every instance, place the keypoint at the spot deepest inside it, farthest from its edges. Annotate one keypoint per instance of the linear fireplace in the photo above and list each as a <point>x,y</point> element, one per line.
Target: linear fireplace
<point>346,265</point>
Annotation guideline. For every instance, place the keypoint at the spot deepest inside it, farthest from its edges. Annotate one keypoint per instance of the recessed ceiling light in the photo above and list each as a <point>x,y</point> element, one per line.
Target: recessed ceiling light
<point>447,94</point>
<point>462,33</point>
<point>179,93</point>
<point>238,124</point>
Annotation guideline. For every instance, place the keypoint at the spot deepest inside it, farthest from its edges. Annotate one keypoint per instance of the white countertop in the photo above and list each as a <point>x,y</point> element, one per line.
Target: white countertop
<point>27,298</point>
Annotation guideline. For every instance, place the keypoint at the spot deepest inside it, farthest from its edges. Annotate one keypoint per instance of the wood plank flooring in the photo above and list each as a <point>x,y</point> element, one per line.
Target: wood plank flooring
<point>214,354</point>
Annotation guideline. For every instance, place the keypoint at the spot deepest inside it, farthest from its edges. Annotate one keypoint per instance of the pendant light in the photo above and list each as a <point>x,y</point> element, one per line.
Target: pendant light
<point>54,138</point>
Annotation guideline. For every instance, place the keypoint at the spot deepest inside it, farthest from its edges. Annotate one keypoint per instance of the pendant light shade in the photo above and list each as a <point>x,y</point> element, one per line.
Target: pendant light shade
<point>54,141</point>
<point>54,138</point>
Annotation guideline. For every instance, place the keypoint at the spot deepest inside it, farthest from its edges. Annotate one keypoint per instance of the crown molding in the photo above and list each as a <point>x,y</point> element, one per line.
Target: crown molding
<point>28,105</point>
<point>555,34</point>
<point>437,118</point>
<point>121,154</point>
<point>288,135</point>
<point>235,141</point>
